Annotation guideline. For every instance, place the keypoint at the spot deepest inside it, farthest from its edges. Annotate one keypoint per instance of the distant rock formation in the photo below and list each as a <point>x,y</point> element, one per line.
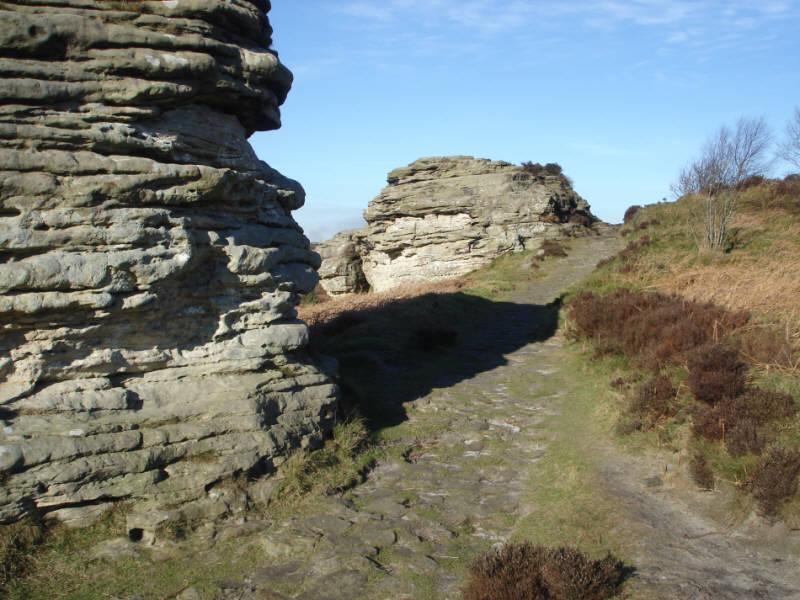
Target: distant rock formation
<point>446,216</point>
<point>149,262</point>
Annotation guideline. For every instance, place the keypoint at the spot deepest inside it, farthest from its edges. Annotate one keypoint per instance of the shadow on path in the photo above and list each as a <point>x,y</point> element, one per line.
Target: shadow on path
<point>398,352</point>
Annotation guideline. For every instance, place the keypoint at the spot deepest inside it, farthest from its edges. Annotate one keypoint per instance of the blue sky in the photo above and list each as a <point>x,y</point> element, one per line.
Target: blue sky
<point>621,93</point>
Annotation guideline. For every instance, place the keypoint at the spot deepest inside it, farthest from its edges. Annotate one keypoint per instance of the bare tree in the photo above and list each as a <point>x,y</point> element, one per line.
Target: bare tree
<point>728,157</point>
<point>790,148</point>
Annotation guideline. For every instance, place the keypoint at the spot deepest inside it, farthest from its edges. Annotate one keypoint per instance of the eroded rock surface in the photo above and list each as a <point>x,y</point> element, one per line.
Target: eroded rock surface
<point>445,216</point>
<point>149,263</point>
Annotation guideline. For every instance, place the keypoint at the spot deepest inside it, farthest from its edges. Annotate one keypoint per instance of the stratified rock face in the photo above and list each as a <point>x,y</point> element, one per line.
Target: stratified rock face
<point>149,263</point>
<point>443,217</point>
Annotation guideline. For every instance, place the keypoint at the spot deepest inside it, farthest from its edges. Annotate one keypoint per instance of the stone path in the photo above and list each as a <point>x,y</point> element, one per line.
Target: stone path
<point>410,529</point>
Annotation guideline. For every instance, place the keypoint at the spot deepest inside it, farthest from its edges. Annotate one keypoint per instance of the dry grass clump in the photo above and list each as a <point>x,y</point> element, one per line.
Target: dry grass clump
<point>349,306</point>
<point>528,572</point>
<point>774,479</point>
<point>768,345</point>
<point>341,463</point>
<point>17,541</point>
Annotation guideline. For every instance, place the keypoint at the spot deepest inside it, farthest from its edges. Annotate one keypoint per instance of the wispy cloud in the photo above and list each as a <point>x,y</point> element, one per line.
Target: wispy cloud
<point>676,21</point>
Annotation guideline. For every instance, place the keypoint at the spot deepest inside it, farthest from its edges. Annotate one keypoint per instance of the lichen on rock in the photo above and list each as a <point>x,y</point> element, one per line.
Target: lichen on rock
<point>442,217</point>
<point>149,262</point>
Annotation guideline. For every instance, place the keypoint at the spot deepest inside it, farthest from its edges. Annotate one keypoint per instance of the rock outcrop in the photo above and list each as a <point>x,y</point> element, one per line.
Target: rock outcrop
<point>446,216</point>
<point>149,262</point>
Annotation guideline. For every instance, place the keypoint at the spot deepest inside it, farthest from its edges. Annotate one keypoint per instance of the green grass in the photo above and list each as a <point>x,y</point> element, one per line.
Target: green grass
<point>566,501</point>
<point>340,464</point>
<point>62,566</point>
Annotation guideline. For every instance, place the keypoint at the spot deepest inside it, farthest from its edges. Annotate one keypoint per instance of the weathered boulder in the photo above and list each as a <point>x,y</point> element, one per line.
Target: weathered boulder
<point>446,216</point>
<point>149,262</point>
<point>341,269</point>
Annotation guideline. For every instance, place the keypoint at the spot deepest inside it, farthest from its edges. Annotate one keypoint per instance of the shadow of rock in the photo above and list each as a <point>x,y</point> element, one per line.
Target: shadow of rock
<point>396,353</point>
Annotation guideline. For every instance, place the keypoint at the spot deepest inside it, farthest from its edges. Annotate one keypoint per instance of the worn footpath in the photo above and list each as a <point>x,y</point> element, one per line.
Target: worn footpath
<point>410,530</point>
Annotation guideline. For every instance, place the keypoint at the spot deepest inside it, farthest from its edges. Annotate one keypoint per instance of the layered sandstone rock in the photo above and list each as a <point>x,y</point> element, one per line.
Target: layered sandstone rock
<point>446,216</point>
<point>149,263</point>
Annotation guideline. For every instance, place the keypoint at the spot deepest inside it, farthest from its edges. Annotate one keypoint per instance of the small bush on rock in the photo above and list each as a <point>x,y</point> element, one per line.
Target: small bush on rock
<point>528,572</point>
<point>552,169</point>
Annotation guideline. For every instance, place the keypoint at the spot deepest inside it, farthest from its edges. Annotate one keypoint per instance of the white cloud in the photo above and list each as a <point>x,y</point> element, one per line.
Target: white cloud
<point>700,28</point>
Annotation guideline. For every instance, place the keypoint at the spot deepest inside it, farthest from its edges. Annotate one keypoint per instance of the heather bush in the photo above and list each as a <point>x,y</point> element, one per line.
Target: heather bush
<point>528,572</point>
<point>716,373</point>
<point>630,213</point>
<point>789,186</point>
<point>653,401</point>
<point>580,219</point>
<point>550,249</point>
<point>540,170</point>
<point>632,249</point>
<point>740,421</point>
<point>751,181</point>
<point>774,478</point>
<point>552,169</point>
<point>652,329</point>
<point>701,473</point>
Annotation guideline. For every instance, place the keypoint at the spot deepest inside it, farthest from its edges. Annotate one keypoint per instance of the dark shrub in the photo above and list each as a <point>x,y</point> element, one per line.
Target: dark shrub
<point>551,248</point>
<point>739,421</point>
<point>744,437</point>
<point>528,572</point>
<point>645,224</point>
<point>632,249</point>
<point>749,182</point>
<point>774,479</point>
<point>789,186</point>
<point>653,401</point>
<point>568,574</point>
<point>630,213</point>
<point>716,373</point>
<point>763,406</point>
<point>580,219</point>
<point>652,329</point>
<point>701,472</point>
<point>552,169</point>
<point>706,422</point>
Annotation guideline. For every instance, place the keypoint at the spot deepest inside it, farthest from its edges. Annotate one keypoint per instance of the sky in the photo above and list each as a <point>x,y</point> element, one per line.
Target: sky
<point>622,94</point>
